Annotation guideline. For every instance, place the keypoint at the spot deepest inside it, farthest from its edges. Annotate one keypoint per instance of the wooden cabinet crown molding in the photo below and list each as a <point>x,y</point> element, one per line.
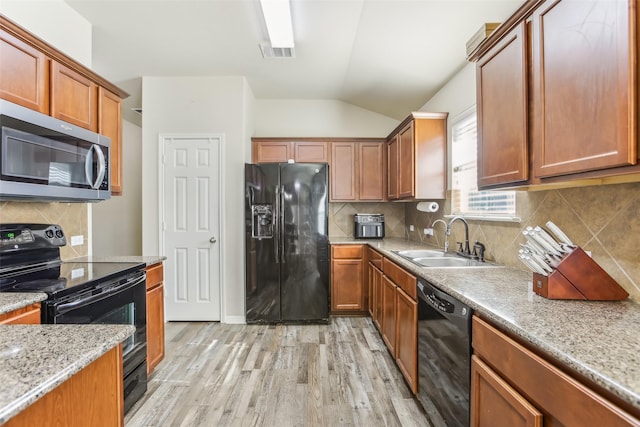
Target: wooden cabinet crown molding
<point>17,31</point>
<point>412,116</point>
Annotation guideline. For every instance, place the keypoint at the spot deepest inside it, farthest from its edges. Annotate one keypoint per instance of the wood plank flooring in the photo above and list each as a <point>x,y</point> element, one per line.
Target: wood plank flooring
<point>339,374</point>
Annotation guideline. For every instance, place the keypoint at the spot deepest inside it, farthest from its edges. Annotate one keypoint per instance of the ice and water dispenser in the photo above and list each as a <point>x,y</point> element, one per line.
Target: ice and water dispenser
<point>262,221</point>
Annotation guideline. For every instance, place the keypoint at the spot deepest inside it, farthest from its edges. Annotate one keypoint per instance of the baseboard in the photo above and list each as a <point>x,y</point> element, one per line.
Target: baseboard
<point>234,320</point>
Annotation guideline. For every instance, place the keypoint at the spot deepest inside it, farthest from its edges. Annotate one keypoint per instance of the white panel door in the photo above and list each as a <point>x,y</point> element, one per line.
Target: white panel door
<point>192,227</point>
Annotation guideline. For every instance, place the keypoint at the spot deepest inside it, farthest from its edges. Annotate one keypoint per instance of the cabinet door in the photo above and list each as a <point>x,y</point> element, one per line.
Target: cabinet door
<point>583,81</point>
<point>406,163</point>
<point>155,327</point>
<point>74,98</point>
<point>347,288</point>
<point>110,124</point>
<point>371,171</point>
<point>343,171</point>
<point>502,110</point>
<point>29,315</point>
<point>392,168</point>
<point>407,338</point>
<point>310,152</point>
<point>272,152</point>
<point>371,277</point>
<point>494,403</point>
<point>389,314</point>
<point>24,74</point>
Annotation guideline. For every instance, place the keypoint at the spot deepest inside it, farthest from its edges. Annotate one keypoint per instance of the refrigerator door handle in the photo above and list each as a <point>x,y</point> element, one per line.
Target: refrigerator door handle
<point>276,225</point>
<point>282,236</point>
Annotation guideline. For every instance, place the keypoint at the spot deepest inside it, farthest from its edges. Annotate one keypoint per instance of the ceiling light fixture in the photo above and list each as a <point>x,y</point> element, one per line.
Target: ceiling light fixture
<point>277,16</point>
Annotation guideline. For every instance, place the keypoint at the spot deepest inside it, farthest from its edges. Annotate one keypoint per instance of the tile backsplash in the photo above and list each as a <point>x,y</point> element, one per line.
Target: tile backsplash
<point>72,217</point>
<point>341,217</point>
<point>602,219</point>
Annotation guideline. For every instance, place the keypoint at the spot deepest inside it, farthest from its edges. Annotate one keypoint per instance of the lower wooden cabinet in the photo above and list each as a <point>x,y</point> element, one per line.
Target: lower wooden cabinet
<point>495,403</point>
<point>389,314</point>
<point>347,274</point>
<point>29,315</point>
<point>407,338</point>
<point>155,316</point>
<point>511,383</point>
<point>92,397</point>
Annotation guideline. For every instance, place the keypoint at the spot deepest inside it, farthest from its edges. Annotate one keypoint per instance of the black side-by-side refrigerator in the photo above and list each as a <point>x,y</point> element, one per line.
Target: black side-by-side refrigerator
<point>287,248</point>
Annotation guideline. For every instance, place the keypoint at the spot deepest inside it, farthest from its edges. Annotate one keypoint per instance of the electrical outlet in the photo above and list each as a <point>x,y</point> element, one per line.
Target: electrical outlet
<point>428,231</point>
<point>77,240</point>
<point>411,228</point>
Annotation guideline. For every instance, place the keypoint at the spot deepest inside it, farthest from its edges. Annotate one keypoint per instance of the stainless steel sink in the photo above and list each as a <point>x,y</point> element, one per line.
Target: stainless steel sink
<point>421,253</point>
<point>430,258</point>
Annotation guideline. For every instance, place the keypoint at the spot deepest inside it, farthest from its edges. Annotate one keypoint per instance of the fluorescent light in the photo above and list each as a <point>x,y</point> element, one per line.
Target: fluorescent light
<point>277,16</point>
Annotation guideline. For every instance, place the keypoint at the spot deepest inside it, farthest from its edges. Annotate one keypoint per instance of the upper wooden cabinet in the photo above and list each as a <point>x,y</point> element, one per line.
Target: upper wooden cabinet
<point>110,124</point>
<point>557,104</point>
<point>502,116</point>
<point>281,150</point>
<point>357,171</point>
<point>36,75</point>
<point>417,156</point>
<point>74,98</point>
<point>24,76</point>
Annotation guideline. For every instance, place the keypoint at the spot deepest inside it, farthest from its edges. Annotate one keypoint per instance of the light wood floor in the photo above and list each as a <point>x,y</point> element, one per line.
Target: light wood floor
<point>339,374</point>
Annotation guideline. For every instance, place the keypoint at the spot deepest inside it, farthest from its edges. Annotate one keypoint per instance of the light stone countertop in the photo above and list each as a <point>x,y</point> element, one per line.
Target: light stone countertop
<point>598,340</point>
<point>35,359</point>
<point>148,260</point>
<point>10,301</point>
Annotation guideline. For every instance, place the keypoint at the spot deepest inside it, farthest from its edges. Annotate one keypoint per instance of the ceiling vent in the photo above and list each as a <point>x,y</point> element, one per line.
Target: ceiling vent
<point>269,52</point>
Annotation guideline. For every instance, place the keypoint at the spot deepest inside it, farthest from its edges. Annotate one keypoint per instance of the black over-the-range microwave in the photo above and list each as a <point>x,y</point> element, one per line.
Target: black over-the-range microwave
<point>44,158</point>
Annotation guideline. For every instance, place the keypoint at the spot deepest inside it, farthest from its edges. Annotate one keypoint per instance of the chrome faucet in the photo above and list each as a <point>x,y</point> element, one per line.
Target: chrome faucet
<point>447,233</point>
<point>466,251</point>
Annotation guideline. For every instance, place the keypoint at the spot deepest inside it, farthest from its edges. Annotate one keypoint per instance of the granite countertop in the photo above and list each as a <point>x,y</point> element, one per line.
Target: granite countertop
<point>598,340</point>
<point>35,359</point>
<point>148,260</point>
<point>10,301</point>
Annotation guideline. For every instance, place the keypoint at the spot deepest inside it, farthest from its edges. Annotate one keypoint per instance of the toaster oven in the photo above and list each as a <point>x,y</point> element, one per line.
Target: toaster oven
<point>368,226</point>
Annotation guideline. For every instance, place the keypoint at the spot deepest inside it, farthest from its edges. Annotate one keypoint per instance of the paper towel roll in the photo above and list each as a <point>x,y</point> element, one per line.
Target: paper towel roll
<point>428,206</point>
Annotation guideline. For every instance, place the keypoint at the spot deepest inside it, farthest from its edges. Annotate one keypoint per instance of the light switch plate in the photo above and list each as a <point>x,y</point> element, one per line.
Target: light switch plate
<point>411,228</point>
<point>77,240</point>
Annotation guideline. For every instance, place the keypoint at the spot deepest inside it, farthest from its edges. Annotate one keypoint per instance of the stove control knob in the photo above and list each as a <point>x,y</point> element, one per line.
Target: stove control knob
<point>49,234</point>
<point>59,234</point>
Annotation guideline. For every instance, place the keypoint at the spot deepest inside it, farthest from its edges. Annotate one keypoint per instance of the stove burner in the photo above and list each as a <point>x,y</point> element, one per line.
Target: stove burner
<point>42,285</point>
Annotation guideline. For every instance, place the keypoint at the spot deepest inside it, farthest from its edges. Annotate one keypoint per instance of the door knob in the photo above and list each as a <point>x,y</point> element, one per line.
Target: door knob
<point>212,240</point>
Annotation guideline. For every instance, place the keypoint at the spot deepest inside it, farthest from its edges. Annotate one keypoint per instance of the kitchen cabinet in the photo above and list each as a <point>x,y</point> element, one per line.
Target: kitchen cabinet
<point>347,279</point>
<point>555,105</point>
<point>392,167</point>
<point>29,315</point>
<point>510,382</point>
<point>357,171</point>
<point>74,97</point>
<point>110,124</point>
<point>37,76</point>
<point>24,76</point>
<point>502,112</point>
<point>417,166</point>
<point>407,337</point>
<point>281,150</point>
<point>375,287</point>
<point>155,316</point>
<point>389,314</point>
<point>99,389</point>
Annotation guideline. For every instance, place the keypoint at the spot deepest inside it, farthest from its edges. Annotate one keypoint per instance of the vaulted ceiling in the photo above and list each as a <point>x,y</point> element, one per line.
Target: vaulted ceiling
<point>387,56</point>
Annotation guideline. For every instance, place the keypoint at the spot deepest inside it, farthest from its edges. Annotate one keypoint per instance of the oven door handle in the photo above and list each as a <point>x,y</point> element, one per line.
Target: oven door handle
<point>65,308</point>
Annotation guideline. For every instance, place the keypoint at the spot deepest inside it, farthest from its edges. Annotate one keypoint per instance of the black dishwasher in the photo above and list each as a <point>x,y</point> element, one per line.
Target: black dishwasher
<point>444,353</point>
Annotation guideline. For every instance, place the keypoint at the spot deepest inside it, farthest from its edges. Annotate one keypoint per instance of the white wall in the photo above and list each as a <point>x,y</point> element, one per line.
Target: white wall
<point>318,118</point>
<point>55,22</point>
<point>212,105</point>
<point>117,223</point>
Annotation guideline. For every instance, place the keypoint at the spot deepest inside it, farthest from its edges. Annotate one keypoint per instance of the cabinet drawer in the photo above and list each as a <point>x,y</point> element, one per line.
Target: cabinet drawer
<point>347,251</point>
<point>544,385</point>
<point>374,257</point>
<point>155,275</point>
<point>29,315</point>
<point>400,277</point>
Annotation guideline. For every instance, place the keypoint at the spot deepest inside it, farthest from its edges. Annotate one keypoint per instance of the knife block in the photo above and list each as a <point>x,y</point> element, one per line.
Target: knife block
<point>578,276</point>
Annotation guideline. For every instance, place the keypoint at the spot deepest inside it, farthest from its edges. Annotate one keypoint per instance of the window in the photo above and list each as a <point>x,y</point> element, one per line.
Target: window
<point>466,199</point>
